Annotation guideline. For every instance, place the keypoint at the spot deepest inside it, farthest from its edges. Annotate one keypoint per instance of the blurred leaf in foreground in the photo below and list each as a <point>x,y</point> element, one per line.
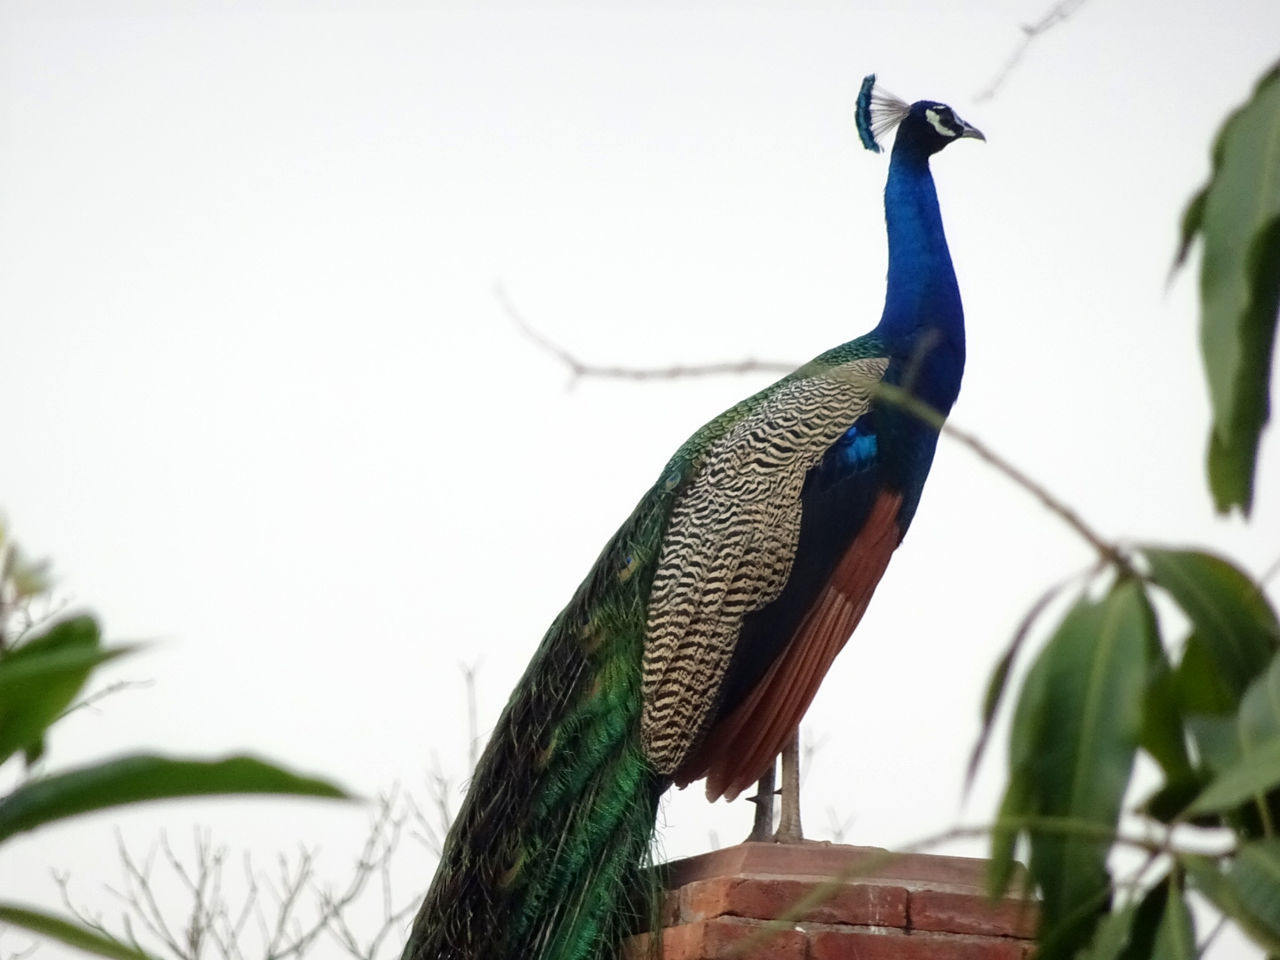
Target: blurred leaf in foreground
<point>1075,732</point>
<point>142,777</point>
<point>1237,214</point>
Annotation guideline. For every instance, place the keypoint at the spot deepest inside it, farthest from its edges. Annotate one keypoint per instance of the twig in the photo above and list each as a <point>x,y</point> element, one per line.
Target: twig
<point>1271,572</point>
<point>107,691</point>
<point>1106,551</point>
<point>578,369</point>
<point>290,889</point>
<point>138,895</point>
<point>63,882</point>
<point>1059,13</point>
<point>996,689</point>
<point>383,840</point>
<point>293,919</point>
<point>473,722</point>
<point>23,953</point>
<point>839,827</point>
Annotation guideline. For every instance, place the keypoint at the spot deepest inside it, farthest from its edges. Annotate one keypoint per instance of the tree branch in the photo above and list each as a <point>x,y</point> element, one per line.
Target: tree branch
<point>1108,552</point>
<point>1059,13</point>
<point>578,369</point>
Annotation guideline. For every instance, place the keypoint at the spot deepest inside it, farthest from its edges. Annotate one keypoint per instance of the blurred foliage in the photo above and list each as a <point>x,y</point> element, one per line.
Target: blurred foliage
<point>1108,687</point>
<point>1237,216</point>
<point>45,666</point>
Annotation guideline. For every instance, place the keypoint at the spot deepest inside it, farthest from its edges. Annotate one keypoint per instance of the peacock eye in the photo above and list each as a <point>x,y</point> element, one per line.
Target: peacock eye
<point>942,119</point>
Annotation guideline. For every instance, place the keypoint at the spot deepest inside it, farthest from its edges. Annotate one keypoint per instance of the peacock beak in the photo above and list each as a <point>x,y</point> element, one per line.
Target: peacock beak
<point>970,131</point>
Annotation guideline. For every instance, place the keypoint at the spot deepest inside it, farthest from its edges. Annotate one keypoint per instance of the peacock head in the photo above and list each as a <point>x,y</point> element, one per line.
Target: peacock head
<point>925,126</point>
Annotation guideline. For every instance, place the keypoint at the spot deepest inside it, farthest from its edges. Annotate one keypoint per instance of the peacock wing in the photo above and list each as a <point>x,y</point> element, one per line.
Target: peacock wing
<point>743,741</point>
<point>729,547</point>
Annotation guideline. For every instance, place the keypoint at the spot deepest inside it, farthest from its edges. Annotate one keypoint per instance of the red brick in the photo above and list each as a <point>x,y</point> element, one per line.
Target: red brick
<point>770,898</point>
<point>724,939</point>
<point>852,903</point>
<point>891,945</point>
<point>972,913</point>
<point>831,860</point>
<point>876,904</point>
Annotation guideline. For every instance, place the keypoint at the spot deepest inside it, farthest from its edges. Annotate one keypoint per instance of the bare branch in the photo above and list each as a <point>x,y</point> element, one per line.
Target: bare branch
<point>280,916</point>
<point>291,887</point>
<point>839,826</point>
<point>137,894</point>
<point>1059,13</point>
<point>473,724</point>
<point>578,369</point>
<point>1106,551</point>
<point>23,953</point>
<point>1270,572</point>
<point>94,921</point>
<point>98,695</point>
<point>432,826</point>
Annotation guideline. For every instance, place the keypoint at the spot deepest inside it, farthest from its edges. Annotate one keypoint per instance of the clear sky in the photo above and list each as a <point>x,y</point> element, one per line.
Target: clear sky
<point>262,406</point>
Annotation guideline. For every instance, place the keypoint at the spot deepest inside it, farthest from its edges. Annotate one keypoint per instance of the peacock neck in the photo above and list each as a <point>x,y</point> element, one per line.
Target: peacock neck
<point>922,329</point>
<point>922,293</point>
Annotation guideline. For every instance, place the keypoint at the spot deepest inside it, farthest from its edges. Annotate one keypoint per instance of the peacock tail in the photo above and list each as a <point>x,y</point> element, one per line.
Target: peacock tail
<point>556,826</point>
<point>700,636</point>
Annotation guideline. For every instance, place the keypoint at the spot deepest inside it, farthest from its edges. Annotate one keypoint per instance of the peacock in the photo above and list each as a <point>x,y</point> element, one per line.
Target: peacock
<point>697,641</point>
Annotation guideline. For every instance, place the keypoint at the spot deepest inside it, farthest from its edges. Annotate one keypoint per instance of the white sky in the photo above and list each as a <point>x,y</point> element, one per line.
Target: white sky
<point>262,405</point>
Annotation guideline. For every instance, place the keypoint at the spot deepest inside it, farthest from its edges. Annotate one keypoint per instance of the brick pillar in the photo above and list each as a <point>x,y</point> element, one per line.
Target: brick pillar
<point>817,901</point>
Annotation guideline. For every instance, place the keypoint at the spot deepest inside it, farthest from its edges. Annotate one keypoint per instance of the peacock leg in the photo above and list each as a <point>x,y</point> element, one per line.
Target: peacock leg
<point>789,830</point>
<point>762,828</point>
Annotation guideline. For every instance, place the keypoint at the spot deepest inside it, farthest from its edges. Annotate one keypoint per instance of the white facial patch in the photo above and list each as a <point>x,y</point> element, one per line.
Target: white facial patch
<point>935,121</point>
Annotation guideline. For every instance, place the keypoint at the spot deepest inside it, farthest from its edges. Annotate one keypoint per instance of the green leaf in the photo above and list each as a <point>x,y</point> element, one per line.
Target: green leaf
<point>1146,922</point>
<point>1234,625</point>
<point>70,633</point>
<point>1170,800</point>
<point>1176,934</point>
<point>1004,837</point>
<point>1025,734</point>
<point>1192,218</point>
<point>1197,685</point>
<point>1256,877</point>
<point>138,778</point>
<point>40,679</point>
<point>1238,217</point>
<point>1000,677</point>
<point>1255,768</point>
<point>1251,777</point>
<point>1163,734</point>
<point>70,932</point>
<point>1074,736</point>
<point>1248,895</point>
<point>1216,741</point>
<point>1112,935</point>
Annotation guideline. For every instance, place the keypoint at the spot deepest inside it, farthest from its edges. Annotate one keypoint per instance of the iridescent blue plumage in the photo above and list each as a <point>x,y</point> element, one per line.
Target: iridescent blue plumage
<point>862,114</point>
<point>700,636</point>
<point>853,453</point>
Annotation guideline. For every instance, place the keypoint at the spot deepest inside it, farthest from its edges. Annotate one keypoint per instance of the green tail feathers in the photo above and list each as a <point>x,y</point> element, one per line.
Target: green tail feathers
<point>548,857</point>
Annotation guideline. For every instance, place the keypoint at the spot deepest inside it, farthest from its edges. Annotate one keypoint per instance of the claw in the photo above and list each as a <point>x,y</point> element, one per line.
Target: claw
<point>762,827</point>
<point>789,829</point>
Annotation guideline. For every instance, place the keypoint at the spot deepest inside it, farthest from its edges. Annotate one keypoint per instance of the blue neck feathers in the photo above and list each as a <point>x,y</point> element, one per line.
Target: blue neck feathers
<point>923,320</point>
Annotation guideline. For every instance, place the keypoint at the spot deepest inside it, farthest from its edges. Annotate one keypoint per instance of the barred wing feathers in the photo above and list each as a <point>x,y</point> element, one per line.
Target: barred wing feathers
<point>727,552</point>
